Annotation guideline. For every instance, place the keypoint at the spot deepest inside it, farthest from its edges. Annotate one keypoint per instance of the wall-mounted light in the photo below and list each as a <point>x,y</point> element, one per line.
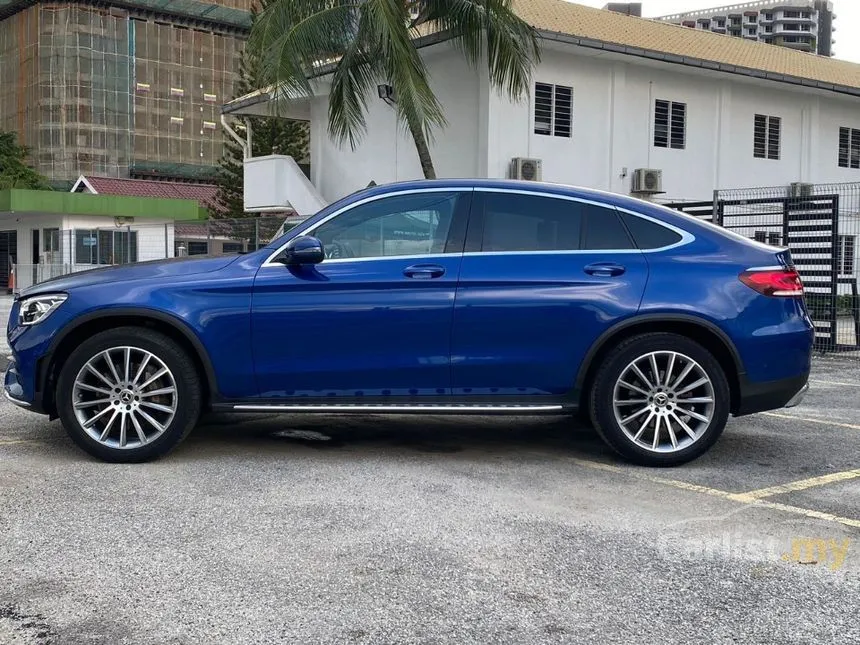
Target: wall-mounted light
<point>386,93</point>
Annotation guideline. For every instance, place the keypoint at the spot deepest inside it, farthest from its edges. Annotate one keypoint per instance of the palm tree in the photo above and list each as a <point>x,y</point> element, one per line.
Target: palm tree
<point>366,42</point>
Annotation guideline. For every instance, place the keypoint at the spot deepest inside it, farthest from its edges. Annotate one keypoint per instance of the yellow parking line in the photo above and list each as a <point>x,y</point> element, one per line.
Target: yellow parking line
<point>802,484</point>
<point>743,498</point>
<point>675,483</point>
<point>850,426</point>
<point>807,512</point>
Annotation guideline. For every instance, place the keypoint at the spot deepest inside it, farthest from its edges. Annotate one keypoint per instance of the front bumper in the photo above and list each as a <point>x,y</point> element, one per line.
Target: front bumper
<point>771,395</point>
<point>13,389</point>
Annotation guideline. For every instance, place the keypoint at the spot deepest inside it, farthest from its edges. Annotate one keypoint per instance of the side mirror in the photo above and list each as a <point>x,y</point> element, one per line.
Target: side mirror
<point>303,249</point>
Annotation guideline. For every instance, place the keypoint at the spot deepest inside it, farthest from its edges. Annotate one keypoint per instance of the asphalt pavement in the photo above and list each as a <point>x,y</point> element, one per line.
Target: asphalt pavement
<point>299,529</point>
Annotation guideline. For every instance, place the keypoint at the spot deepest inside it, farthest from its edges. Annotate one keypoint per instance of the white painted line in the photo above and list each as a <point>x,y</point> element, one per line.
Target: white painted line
<point>841,384</point>
<point>824,422</point>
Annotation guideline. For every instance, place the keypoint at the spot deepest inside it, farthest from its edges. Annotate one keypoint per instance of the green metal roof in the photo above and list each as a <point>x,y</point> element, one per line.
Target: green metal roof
<point>47,201</point>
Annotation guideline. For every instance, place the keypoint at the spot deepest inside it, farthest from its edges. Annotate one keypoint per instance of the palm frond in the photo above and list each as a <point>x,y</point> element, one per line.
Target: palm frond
<point>511,43</point>
<point>293,37</point>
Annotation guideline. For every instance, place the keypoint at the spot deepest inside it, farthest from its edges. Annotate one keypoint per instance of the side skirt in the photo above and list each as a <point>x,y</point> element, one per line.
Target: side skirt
<point>398,408</point>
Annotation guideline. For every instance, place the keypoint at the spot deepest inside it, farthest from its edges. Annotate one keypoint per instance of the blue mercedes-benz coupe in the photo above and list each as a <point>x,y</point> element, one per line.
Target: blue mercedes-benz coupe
<point>449,297</point>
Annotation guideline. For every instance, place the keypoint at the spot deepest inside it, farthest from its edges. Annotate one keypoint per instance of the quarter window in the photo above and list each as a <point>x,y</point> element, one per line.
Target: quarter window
<point>414,224</point>
<point>670,124</point>
<point>649,235</point>
<point>534,223</point>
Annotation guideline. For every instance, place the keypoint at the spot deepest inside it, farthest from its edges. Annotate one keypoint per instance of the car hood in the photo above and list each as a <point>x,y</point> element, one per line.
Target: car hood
<point>153,270</point>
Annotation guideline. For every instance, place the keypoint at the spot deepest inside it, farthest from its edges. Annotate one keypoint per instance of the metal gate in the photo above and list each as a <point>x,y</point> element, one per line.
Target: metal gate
<point>808,225</point>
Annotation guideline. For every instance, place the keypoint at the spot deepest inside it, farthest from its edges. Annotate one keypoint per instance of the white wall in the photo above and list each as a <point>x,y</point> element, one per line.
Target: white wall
<point>386,153</point>
<point>613,115</point>
<point>613,118</point>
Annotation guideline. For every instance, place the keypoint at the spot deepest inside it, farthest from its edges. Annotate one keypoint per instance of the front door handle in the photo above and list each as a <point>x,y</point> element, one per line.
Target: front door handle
<point>604,269</point>
<point>424,271</point>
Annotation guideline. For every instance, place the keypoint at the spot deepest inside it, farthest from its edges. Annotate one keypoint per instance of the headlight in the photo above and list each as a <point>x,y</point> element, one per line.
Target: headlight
<point>36,308</point>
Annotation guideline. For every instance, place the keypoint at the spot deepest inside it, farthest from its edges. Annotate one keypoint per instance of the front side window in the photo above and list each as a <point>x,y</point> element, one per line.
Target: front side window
<point>521,223</point>
<point>413,224</point>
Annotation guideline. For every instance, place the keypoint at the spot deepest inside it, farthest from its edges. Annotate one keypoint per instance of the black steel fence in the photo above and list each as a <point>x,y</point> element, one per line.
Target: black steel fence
<point>820,224</point>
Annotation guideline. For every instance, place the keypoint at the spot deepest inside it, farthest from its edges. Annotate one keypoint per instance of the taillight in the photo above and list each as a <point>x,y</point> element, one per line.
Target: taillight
<point>773,282</point>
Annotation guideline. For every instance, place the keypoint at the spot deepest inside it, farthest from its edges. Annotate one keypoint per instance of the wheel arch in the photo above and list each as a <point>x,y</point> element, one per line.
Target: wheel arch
<point>704,332</point>
<point>89,324</point>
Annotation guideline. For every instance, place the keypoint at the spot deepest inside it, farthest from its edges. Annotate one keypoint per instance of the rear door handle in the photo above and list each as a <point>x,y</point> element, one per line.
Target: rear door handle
<point>424,271</point>
<point>604,269</point>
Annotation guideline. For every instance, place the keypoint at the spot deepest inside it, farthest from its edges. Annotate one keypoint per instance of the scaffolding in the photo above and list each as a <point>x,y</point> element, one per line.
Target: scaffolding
<point>117,92</point>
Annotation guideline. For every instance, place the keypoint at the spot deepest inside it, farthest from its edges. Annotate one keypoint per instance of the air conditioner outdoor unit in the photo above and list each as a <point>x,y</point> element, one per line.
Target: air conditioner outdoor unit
<point>799,189</point>
<point>527,169</point>
<point>647,181</point>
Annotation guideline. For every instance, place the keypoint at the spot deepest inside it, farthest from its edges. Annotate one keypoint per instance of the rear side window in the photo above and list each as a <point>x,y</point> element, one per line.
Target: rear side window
<point>649,235</point>
<point>514,222</point>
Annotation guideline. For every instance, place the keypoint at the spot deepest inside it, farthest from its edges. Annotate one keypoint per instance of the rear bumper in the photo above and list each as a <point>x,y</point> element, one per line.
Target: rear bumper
<point>772,395</point>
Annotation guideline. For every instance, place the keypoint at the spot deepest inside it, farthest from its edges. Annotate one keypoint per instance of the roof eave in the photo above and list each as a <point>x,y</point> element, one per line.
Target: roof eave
<point>696,62</point>
<point>268,94</point>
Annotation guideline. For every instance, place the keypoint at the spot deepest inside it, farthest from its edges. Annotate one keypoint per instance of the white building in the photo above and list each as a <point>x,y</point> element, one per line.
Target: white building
<point>613,94</point>
<point>806,25</point>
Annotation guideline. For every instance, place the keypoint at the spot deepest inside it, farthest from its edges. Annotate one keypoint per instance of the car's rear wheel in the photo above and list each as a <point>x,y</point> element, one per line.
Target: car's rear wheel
<point>660,399</point>
<point>128,395</point>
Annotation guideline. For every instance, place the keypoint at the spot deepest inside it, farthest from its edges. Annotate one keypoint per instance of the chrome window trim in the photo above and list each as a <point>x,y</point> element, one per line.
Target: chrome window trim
<point>410,191</point>
<point>686,237</point>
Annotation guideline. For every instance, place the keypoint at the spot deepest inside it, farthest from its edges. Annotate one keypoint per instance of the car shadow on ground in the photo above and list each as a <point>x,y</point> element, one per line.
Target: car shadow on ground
<point>444,435</point>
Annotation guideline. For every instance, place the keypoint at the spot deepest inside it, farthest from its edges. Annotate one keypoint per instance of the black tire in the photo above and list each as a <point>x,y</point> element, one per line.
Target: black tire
<point>601,407</point>
<point>184,373</point>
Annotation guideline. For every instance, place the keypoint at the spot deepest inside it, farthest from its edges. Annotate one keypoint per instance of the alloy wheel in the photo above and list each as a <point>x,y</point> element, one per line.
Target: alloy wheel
<point>124,397</point>
<point>664,401</point>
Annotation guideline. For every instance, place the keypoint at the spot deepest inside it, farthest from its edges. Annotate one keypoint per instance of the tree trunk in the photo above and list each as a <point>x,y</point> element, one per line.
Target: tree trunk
<point>422,147</point>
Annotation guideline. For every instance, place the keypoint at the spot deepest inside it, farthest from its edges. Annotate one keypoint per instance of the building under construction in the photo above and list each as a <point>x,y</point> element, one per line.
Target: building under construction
<point>122,89</point>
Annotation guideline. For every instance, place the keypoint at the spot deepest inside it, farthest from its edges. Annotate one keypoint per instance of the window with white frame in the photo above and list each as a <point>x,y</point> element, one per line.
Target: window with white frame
<point>766,136</point>
<point>553,110</point>
<point>845,251</point>
<point>849,148</point>
<point>670,124</point>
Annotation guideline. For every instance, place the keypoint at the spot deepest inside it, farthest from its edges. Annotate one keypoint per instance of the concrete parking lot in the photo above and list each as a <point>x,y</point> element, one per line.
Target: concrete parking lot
<point>449,530</point>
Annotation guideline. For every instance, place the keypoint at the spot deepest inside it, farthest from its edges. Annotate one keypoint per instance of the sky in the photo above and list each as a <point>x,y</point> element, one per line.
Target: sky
<point>847,24</point>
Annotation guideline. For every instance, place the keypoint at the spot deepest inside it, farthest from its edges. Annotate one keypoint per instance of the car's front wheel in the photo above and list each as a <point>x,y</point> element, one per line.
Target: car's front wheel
<point>660,399</point>
<point>128,395</point>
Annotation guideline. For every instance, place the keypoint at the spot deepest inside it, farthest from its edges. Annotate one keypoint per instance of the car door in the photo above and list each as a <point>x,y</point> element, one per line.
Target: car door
<point>542,277</point>
<point>374,318</point>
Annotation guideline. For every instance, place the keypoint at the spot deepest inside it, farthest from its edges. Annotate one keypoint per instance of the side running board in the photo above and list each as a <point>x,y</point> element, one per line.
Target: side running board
<point>402,408</point>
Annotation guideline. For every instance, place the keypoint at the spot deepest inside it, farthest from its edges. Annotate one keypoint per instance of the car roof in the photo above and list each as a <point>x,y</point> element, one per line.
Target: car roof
<point>604,197</point>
